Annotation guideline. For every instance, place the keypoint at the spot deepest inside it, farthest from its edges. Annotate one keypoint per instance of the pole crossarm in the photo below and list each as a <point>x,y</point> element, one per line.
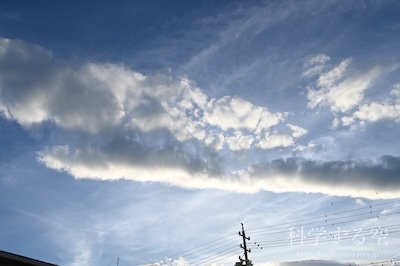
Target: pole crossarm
<point>244,247</point>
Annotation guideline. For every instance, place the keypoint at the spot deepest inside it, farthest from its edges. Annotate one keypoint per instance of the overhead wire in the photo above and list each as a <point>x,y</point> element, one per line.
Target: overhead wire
<point>202,247</point>
<point>383,262</point>
<point>206,249</point>
<point>212,258</point>
<point>193,253</point>
<point>395,227</point>
<point>319,217</point>
<point>324,222</point>
<point>322,225</point>
<point>350,235</point>
<point>217,250</point>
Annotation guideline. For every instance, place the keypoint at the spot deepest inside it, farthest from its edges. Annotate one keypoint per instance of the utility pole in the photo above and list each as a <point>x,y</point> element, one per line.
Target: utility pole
<point>244,247</point>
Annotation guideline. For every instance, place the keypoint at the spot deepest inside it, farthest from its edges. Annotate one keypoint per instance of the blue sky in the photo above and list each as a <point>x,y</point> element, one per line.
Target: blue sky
<point>150,130</point>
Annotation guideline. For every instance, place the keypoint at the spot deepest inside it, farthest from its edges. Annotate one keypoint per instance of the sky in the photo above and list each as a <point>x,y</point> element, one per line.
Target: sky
<point>146,132</point>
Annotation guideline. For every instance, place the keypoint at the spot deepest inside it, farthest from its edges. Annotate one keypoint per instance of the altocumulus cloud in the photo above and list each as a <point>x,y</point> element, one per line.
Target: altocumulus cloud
<point>115,123</point>
<point>343,90</point>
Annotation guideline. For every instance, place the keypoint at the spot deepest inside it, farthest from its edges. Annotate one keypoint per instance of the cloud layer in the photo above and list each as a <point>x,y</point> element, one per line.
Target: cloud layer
<point>115,123</point>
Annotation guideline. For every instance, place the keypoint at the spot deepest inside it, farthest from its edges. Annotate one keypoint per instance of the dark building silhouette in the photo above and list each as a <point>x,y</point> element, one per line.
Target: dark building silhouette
<point>10,259</point>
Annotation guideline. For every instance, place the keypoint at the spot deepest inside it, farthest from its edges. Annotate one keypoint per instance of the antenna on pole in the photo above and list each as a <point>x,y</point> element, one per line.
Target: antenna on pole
<point>118,261</point>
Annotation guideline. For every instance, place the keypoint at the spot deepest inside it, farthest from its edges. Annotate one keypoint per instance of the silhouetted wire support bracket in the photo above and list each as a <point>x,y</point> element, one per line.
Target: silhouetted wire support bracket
<point>244,247</point>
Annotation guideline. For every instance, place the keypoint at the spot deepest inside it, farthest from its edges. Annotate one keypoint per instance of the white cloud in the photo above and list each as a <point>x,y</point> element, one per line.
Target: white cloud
<point>235,113</point>
<point>95,98</point>
<point>297,131</point>
<point>239,141</point>
<point>331,78</point>
<point>349,93</point>
<point>215,140</point>
<point>342,94</point>
<point>328,86</point>
<point>274,141</point>
<point>315,70</point>
<point>35,90</point>
<point>372,112</point>
<point>124,125</point>
<point>319,59</point>
<point>335,123</point>
<point>252,182</point>
<point>291,175</point>
<point>375,111</point>
<point>346,121</point>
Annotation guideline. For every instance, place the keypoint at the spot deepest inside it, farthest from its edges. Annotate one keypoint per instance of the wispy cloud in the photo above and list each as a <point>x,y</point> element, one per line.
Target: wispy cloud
<point>314,65</point>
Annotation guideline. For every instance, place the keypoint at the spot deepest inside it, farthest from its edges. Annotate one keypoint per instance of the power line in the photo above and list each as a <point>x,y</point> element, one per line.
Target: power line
<point>264,228</point>
<point>218,250</point>
<point>348,235</point>
<point>325,222</point>
<point>213,257</point>
<point>202,247</point>
<point>225,250</point>
<point>383,262</point>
